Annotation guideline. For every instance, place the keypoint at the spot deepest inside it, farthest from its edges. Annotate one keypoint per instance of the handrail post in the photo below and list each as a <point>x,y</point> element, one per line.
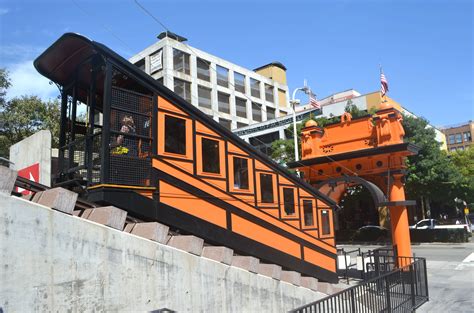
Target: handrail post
<point>387,294</point>
<point>353,306</point>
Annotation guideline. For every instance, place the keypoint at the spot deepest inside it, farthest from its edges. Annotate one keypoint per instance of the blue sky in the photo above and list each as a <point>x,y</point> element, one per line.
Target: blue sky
<point>425,47</point>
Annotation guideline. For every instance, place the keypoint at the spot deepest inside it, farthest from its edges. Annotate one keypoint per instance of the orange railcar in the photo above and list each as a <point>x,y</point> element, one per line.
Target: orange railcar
<point>146,150</point>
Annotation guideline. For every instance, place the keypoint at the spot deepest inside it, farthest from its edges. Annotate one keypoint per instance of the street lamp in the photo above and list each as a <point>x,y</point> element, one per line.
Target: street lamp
<point>294,102</point>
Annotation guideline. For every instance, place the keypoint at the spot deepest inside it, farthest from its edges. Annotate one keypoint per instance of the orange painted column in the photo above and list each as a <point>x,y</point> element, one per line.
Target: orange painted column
<point>399,219</point>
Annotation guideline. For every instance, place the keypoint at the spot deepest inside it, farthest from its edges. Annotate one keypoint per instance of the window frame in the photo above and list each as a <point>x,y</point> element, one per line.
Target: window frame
<point>296,214</point>
<point>188,133</point>
<point>217,76</point>
<point>185,82</point>
<point>259,106</point>
<point>203,61</point>
<point>272,88</point>
<point>227,96</point>
<point>236,74</point>
<point>237,99</point>
<point>252,89</point>
<point>185,70</point>
<point>200,87</point>
<point>199,158</point>
<point>231,174</point>
<point>314,212</point>
<point>331,223</point>
<point>274,190</point>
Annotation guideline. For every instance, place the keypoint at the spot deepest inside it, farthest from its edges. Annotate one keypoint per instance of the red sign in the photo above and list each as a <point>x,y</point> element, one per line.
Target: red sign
<point>31,173</point>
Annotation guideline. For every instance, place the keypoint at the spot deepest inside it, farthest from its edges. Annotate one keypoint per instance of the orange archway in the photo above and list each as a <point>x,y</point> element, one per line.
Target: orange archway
<point>368,151</point>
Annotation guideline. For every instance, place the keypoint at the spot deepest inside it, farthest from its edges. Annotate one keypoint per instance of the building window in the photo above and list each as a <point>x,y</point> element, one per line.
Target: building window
<point>241,173</point>
<point>256,112</point>
<point>269,93</point>
<point>181,61</point>
<point>141,64</point>
<point>222,76</point>
<point>183,89</point>
<point>226,123</point>
<point>451,139</point>
<point>289,201</point>
<point>266,188</point>
<point>467,136</point>
<point>241,107</point>
<point>326,229</point>
<point>270,113</point>
<point>254,88</point>
<point>204,97</point>
<point>308,213</point>
<point>282,113</point>
<point>223,102</point>
<point>239,82</point>
<point>175,135</point>
<point>160,80</point>
<point>458,138</point>
<point>240,125</point>
<point>210,156</point>
<point>203,71</point>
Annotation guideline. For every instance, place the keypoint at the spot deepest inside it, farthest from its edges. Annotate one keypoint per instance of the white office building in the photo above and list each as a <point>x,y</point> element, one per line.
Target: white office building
<point>231,94</point>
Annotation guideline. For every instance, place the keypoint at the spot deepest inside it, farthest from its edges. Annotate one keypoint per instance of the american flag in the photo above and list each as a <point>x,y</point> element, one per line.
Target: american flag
<point>383,84</point>
<point>313,101</point>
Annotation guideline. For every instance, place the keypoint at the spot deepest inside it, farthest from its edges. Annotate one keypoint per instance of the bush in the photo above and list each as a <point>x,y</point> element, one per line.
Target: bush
<point>439,235</point>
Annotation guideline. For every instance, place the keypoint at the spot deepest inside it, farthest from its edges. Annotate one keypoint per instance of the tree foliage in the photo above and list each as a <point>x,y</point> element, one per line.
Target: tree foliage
<point>463,160</point>
<point>21,117</point>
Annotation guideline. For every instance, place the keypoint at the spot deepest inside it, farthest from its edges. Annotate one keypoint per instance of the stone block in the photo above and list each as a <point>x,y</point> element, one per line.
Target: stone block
<point>59,199</point>
<point>109,216</point>
<point>325,288</point>
<point>153,231</point>
<point>86,213</point>
<point>219,254</point>
<point>191,244</point>
<point>310,283</point>
<point>270,270</point>
<point>7,180</point>
<point>129,227</point>
<point>248,263</point>
<point>291,277</point>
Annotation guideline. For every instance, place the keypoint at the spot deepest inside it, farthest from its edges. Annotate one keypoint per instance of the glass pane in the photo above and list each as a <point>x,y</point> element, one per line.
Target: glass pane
<point>256,112</point>
<point>204,97</point>
<point>266,188</point>
<point>203,70</point>
<point>241,107</point>
<point>222,76</point>
<point>226,123</point>
<point>181,61</point>
<point>183,89</point>
<point>270,113</point>
<point>223,102</point>
<point>458,138</point>
<point>289,201</point>
<point>325,222</point>
<point>308,212</point>
<point>239,82</point>
<point>254,88</point>
<point>451,139</point>
<point>175,135</point>
<point>141,64</point>
<point>241,173</point>
<point>210,156</point>
<point>240,125</point>
<point>269,93</point>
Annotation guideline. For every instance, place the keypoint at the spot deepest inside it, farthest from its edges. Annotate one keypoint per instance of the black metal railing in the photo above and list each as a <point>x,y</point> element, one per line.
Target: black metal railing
<point>403,289</point>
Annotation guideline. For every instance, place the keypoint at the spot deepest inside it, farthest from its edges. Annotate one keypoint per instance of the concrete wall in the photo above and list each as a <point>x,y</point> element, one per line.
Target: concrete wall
<point>50,261</point>
<point>32,150</point>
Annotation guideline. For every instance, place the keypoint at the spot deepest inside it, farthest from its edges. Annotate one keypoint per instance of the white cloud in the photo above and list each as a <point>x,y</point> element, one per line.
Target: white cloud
<point>26,80</point>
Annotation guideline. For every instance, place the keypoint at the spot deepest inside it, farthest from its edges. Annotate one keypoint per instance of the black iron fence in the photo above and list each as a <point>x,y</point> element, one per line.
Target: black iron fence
<point>403,289</point>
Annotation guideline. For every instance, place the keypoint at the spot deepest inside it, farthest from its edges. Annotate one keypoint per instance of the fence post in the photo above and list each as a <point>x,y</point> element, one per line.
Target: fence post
<point>412,285</point>
<point>426,278</point>
<point>387,294</point>
<point>353,305</point>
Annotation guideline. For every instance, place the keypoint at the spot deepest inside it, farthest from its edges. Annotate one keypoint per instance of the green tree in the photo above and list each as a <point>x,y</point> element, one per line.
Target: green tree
<point>23,116</point>
<point>464,162</point>
<point>432,178</point>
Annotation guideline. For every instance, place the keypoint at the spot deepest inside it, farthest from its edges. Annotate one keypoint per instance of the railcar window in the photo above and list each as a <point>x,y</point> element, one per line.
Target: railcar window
<point>266,188</point>
<point>241,173</point>
<point>175,135</point>
<point>308,212</point>
<point>210,156</point>
<point>289,201</point>
<point>326,230</point>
